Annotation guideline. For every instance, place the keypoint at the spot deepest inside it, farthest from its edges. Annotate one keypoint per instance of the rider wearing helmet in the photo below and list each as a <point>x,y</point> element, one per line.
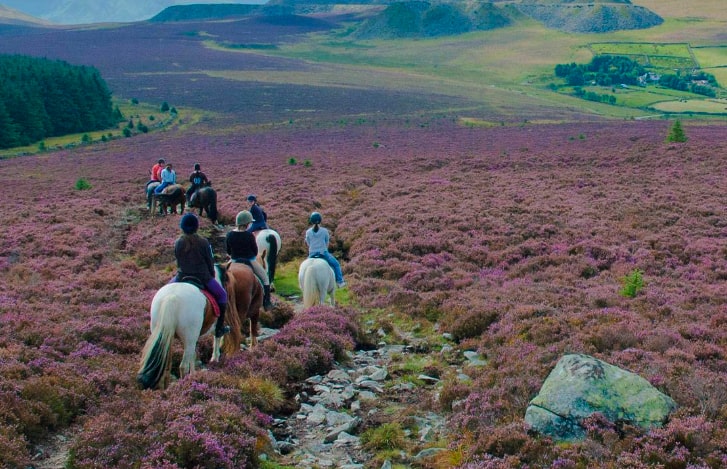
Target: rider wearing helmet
<point>242,247</point>
<point>198,180</point>
<point>259,217</point>
<point>194,259</point>
<point>317,239</point>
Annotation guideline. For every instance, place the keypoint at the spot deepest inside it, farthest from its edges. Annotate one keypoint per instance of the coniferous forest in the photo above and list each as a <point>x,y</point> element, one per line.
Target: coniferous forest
<point>42,98</point>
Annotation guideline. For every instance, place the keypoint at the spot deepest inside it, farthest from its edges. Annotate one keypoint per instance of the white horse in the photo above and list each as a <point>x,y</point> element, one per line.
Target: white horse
<point>316,279</point>
<point>179,309</point>
<point>268,248</point>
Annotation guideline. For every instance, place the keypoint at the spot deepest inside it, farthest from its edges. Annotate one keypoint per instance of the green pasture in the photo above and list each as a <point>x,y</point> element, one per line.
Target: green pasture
<point>504,69</point>
<point>706,106</point>
<point>713,60</point>
<point>641,48</point>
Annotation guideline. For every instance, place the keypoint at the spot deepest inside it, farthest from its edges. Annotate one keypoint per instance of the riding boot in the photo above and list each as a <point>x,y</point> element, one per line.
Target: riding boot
<point>267,304</point>
<point>220,327</point>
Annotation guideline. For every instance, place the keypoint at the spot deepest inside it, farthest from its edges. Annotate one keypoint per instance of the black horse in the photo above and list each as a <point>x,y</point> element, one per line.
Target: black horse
<point>205,199</point>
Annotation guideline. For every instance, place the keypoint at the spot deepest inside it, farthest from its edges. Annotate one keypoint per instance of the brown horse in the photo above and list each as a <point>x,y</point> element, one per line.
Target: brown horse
<point>244,297</point>
<point>171,197</point>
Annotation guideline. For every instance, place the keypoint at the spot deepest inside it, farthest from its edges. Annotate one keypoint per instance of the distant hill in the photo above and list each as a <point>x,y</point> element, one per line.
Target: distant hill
<point>12,16</point>
<point>589,16</point>
<point>425,19</point>
<point>436,18</point>
<point>204,12</point>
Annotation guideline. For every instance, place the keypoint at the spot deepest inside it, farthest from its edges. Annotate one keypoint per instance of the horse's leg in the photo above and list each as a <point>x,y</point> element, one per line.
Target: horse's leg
<point>253,332</point>
<point>189,357</point>
<point>216,347</point>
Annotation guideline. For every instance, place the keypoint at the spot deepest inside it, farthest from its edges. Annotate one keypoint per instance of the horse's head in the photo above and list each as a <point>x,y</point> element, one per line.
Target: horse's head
<point>222,273</point>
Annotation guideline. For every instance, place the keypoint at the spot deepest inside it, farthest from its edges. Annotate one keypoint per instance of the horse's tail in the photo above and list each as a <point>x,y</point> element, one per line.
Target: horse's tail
<point>313,294</point>
<point>272,256</point>
<point>212,207</point>
<point>155,355</point>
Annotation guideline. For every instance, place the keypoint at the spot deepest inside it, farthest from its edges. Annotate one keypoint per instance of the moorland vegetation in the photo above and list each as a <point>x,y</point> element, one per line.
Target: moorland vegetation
<point>472,210</point>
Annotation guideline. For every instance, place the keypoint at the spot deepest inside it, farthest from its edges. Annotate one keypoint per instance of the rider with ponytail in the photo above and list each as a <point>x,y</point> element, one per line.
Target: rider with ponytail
<point>317,239</point>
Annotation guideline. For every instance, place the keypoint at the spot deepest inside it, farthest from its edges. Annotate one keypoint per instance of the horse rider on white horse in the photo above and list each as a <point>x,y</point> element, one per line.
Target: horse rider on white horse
<point>194,259</point>
<point>317,239</point>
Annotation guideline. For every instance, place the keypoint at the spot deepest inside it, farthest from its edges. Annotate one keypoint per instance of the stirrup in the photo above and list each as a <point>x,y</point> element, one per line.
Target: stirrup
<point>223,330</point>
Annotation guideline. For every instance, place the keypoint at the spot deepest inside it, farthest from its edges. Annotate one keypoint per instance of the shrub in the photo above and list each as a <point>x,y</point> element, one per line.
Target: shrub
<point>632,283</point>
<point>292,161</point>
<point>82,185</point>
<point>307,163</point>
<point>472,323</point>
<point>127,132</point>
<point>86,138</point>
<point>676,133</point>
<point>386,437</point>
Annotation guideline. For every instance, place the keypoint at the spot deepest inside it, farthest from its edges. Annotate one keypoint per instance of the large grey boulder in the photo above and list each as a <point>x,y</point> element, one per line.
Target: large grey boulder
<point>581,385</point>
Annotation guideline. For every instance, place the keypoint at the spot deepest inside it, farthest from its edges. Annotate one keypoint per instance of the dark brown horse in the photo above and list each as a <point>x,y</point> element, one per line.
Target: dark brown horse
<point>244,297</point>
<point>170,198</point>
<point>205,199</point>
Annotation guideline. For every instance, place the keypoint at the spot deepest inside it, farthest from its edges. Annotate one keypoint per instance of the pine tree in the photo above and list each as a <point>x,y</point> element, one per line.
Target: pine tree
<point>676,134</point>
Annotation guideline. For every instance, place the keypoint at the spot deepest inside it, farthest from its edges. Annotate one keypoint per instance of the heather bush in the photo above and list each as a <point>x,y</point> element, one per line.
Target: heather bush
<point>463,324</point>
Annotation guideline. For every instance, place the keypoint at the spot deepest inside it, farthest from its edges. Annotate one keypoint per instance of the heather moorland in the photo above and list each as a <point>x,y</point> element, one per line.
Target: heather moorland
<point>506,237</point>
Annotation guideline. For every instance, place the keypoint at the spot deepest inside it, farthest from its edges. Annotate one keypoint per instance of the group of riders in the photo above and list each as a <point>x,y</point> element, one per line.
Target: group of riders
<point>194,253</point>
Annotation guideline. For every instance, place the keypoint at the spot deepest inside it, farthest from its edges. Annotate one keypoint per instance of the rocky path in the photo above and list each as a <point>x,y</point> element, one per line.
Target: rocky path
<point>325,432</point>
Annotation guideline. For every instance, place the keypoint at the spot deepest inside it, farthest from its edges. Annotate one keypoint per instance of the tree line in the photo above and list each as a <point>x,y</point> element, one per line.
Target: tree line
<point>41,98</point>
<point>609,70</point>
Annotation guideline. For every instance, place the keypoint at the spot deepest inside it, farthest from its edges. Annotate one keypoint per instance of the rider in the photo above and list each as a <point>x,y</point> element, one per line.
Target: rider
<point>259,217</point>
<point>168,177</point>
<point>242,247</point>
<point>317,238</point>
<point>156,171</point>
<point>198,180</point>
<point>155,175</point>
<point>194,259</point>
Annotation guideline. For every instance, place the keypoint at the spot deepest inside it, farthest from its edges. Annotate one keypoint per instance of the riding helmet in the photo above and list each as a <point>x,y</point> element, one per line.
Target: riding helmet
<point>251,197</point>
<point>243,218</point>
<point>196,166</point>
<point>189,223</point>
<point>315,218</point>
<point>160,161</point>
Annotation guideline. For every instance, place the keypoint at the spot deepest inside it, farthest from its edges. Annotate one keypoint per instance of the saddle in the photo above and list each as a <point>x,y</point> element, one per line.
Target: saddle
<point>192,280</point>
<point>249,264</point>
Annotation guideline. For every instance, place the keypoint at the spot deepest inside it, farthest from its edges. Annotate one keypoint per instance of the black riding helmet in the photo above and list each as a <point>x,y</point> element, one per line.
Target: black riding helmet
<point>315,218</point>
<point>196,166</point>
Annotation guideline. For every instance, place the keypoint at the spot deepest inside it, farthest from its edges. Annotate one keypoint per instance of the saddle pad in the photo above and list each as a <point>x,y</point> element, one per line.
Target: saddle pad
<point>213,302</point>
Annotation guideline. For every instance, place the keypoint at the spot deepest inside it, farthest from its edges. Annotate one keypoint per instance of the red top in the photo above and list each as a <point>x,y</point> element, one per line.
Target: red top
<point>156,172</point>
